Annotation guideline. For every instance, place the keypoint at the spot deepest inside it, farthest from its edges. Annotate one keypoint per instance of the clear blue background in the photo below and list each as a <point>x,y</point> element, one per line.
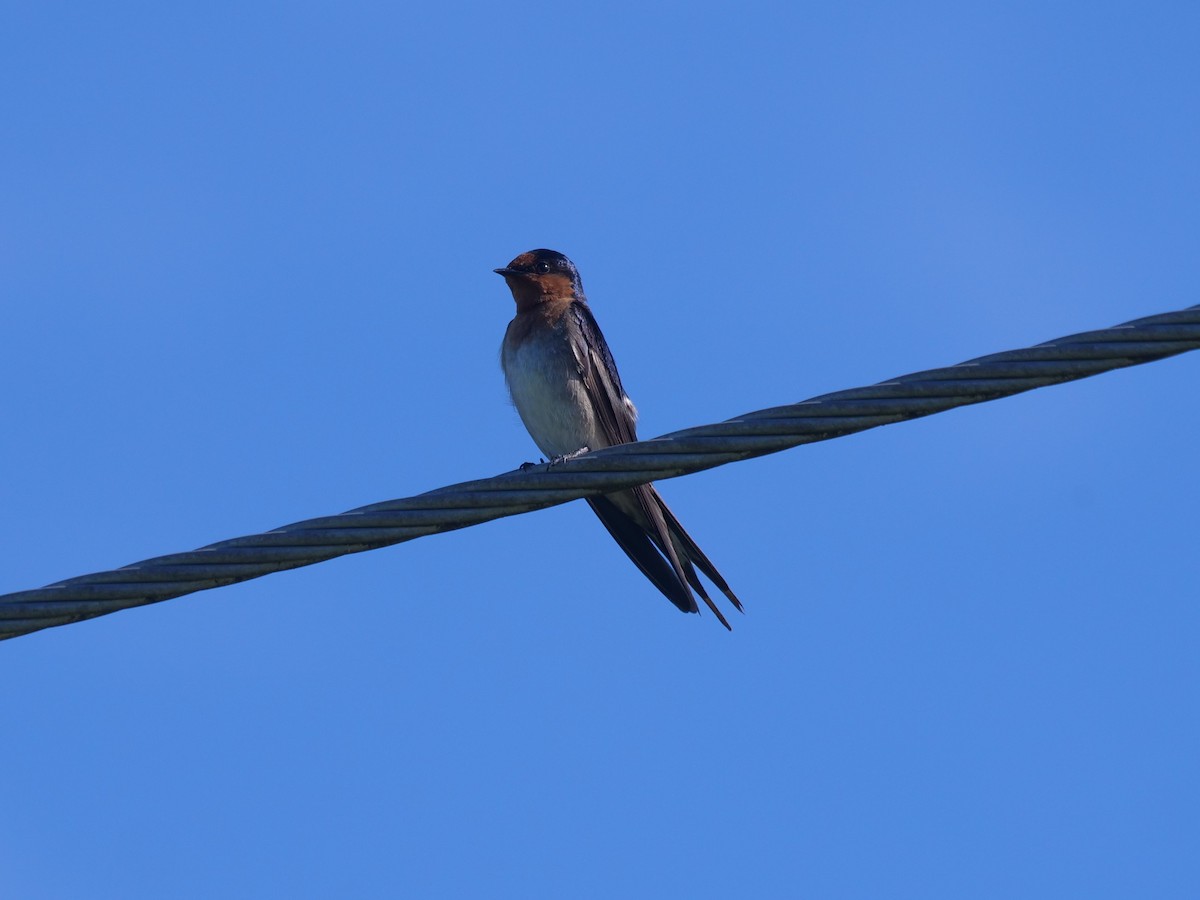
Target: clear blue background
<point>245,271</point>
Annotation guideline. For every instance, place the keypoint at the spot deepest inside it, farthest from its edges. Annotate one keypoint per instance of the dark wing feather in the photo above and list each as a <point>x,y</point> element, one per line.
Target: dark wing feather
<point>632,538</point>
<point>602,380</point>
<point>603,383</point>
<point>696,555</point>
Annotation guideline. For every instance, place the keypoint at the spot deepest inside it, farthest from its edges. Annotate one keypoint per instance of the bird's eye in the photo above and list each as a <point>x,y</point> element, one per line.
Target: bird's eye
<point>543,267</point>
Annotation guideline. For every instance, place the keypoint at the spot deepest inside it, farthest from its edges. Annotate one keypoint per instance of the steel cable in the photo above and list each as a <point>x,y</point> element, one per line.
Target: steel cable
<point>682,452</point>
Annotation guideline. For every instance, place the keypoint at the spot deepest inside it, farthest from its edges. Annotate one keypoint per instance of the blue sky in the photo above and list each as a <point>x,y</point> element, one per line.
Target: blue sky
<point>245,263</point>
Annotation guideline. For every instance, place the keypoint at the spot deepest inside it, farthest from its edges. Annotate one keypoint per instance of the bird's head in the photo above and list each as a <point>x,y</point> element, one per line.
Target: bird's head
<point>541,275</point>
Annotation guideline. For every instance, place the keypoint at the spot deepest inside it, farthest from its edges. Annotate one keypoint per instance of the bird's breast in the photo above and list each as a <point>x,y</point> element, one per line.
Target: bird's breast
<point>544,380</point>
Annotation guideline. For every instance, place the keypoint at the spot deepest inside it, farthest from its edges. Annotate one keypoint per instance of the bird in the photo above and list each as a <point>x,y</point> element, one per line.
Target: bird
<point>565,386</point>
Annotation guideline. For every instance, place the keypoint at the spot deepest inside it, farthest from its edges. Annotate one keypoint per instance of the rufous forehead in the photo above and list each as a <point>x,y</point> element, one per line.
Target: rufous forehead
<point>525,259</point>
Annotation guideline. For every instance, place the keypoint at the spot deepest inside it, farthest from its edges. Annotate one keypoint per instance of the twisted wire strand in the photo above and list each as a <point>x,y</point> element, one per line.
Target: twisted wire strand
<point>614,468</point>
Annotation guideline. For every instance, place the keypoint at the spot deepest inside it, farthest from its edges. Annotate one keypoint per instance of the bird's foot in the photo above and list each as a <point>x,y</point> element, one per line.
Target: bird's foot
<point>526,466</point>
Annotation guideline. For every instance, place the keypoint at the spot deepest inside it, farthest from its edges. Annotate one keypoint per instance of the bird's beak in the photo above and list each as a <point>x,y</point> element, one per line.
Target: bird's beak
<point>506,271</point>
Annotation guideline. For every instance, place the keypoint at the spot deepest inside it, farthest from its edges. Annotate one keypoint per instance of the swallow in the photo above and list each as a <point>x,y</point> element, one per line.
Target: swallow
<point>564,383</point>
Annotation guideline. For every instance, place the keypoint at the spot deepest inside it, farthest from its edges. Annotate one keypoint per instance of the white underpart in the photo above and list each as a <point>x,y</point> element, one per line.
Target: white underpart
<point>543,379</point>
